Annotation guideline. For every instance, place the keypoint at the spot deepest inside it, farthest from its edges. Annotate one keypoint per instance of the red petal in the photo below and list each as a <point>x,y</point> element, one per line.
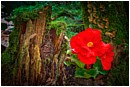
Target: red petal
<point>107,53</point>
<point>75,44</point>
<point>87,60</point>
<point>103,49</point>
<point>107,59</point>
<point>90,35</point>
<point>97,36</point>
<point>106,65</point>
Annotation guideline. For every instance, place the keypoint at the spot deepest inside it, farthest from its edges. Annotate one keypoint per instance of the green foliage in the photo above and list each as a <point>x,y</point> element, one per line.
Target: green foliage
<point>59,26</point>
<point>68,63</point>
<point>68,52</point>
<point>70,34</point>
<point>77,62</point>
<point>84,73</point>
<point>31,12</point>
<point>11,51</point>
<point>26,12</point>
<point>60,6</point>
<point>81,72</point>
<point>92,72</point>
<point>75,11</point>
<point>9,55</point>
<point>98,66</point>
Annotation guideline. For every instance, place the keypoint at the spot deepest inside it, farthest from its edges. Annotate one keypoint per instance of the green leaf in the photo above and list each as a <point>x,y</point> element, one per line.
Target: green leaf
<point>77,61</point>
<point>68,52</point>
<point>98,67</point>
<point>93,72</point>
<point>103,72</point>
<point>81,73</point>
<point>67,63</point>
<point>80,64</point>
<point>86,75</point>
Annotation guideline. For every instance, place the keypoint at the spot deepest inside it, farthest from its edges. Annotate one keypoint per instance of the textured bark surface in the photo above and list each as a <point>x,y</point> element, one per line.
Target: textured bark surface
<point>39,61</point>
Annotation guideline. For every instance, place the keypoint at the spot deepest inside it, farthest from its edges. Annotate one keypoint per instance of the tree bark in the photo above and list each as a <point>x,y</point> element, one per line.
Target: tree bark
<point>39,60</point>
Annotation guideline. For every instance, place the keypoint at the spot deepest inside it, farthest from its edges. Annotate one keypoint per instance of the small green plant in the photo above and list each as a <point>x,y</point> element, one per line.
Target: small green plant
<point>81,71</point>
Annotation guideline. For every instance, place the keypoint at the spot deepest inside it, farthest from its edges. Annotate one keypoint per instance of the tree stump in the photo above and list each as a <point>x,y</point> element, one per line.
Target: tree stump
<point>39,59</point>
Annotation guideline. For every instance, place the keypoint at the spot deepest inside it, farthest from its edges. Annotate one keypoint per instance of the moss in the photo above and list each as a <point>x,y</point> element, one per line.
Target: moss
<point>60,26</point>
<point>26,13</point>
<point>120,75</point>
<point>3,26</point>
<point>118,21</point>
<point>115,12</point>
<point>84,13</point>
<point>9,55</point>
<point>13,45</point>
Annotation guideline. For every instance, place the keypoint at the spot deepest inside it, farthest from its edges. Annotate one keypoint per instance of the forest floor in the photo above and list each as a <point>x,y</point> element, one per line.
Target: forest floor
<point>73,81</point>
<point>70,79</point>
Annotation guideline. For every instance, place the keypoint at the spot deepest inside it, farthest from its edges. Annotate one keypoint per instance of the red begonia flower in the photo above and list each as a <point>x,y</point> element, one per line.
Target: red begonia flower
<point>84,45</point>
<point>88,44</point>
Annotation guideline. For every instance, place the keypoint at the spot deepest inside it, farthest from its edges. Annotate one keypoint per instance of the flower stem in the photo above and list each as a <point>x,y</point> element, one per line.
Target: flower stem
<point>88,66</point>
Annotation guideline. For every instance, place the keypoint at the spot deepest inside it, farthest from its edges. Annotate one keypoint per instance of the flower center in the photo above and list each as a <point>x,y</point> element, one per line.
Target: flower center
<point>90,44</point>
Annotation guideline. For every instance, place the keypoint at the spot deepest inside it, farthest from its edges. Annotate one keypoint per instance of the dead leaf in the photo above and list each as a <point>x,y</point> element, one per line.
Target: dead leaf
<point>89,5</point>
<point>111,34</point>
<point>94,8</point>
<point>89,11</point>
<point>94,21</point>
<point>101,25</point>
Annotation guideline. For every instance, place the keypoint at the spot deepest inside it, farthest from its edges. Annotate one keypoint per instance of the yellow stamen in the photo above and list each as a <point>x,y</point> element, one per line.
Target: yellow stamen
<point>90,44</point>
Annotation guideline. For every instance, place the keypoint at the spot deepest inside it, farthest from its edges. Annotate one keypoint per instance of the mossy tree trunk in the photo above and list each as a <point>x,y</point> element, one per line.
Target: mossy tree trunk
<point>84,13</point>
<point>38,60</point>
<point>111,19</point>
